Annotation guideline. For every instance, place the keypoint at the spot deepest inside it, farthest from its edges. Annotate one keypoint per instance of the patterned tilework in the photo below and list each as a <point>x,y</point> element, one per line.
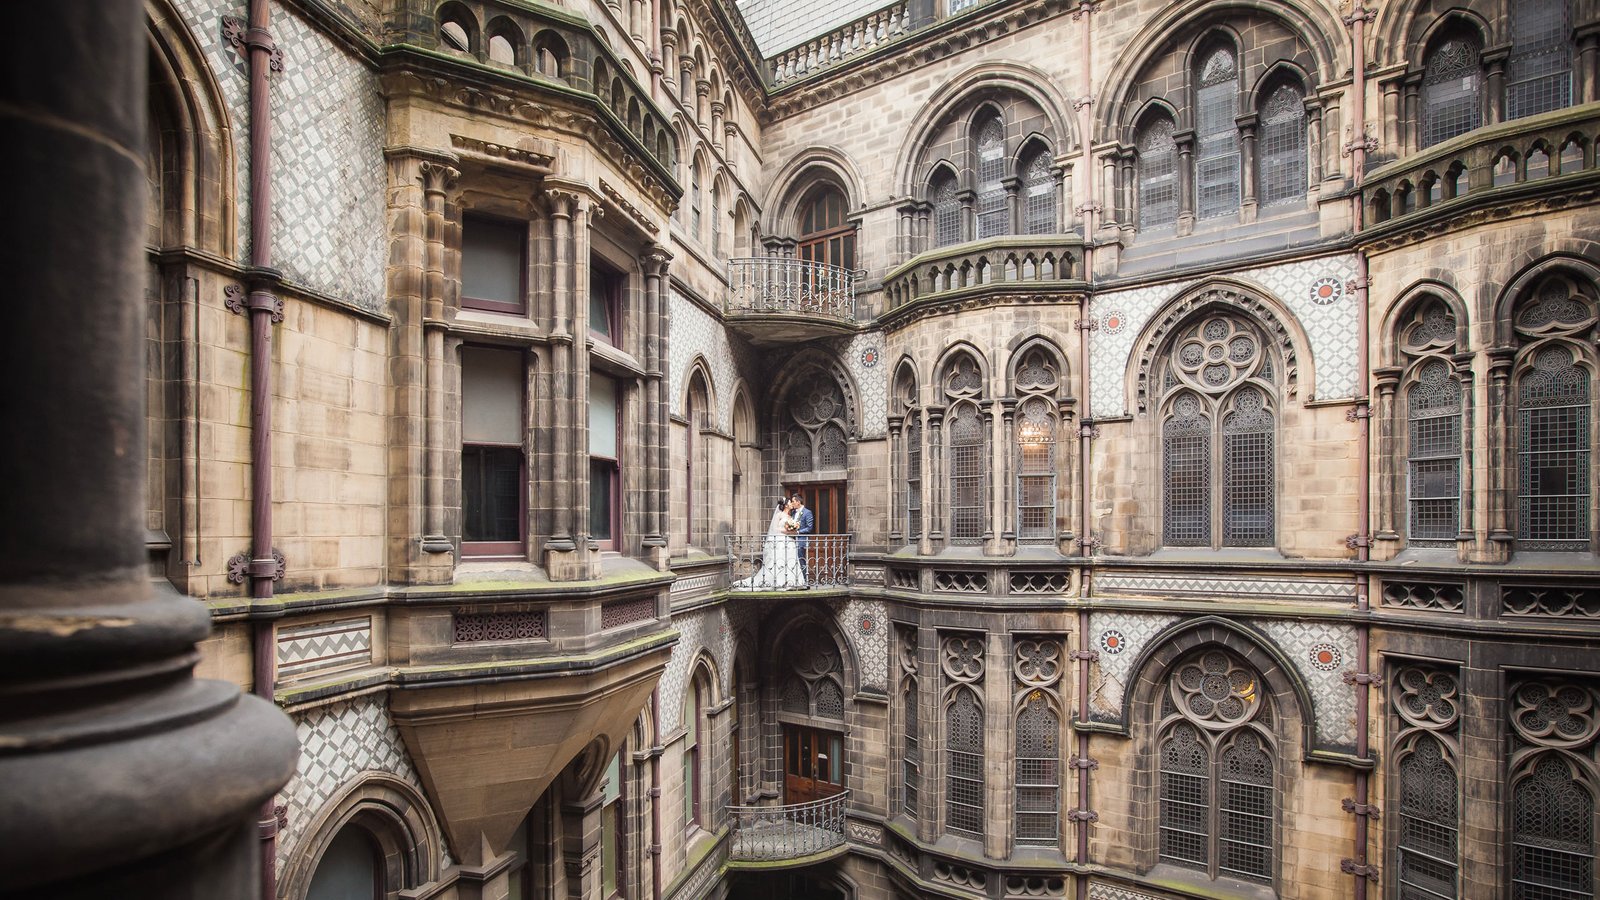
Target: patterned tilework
<point>695,332</point>
<point>1331,328</point>
<point>872,383</point>
<point>1113,670</point>
<point>337,744</point>
<point>324,646</point>
<point>867,624</point>
<point>1101,891</point>
<point>1163,585</point>
<point>1335,701</point>
<point>328,176</point>
<point>712,631</point>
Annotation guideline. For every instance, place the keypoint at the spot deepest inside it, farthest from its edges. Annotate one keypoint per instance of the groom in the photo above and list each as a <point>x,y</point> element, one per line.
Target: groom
<point>806,524</point>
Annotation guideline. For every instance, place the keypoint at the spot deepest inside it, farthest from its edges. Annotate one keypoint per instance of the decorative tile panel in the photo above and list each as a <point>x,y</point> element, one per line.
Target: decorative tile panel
<point>338,743</point>
<point>1102,891</point>
<point>1122,637</point>
<point>866,622</point>
<point>329,180</point>
<point>472,628</point>
<point>325,646</point>
<point>867,575</point>
<point>1173,585</point>
<point>1330,326</point>
<point>863,357</point>
<point>694,586</point>
<point>1321,652</point>
<point>626,612</point>
<point>695,332</point>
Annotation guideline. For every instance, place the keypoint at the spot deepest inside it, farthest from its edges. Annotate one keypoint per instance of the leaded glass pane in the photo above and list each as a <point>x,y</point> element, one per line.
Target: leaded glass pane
<point>1186,471</point>
<point>1552,835</point>
<point>1158,175</point>
<point>991,153</point>
<point>1217,136</point>
<point>1039,195</point>
<point>913,479</point>
<point>946,213</point>
<point>832,450</point>
<point>1450,86</point>
<point>1038,773</point>
<point>910,751</point>
<point>1185,798</point>
<point>797,450</point>
<point>964,765</point>
<point>1282,153</point>
<point>1553,453</point>
<point>968,476</point>
<point>1433,482</point>
<point>1244,816</point>
<point>1539,70</point>
<point>1036,492</point>
<point>1247,473</point>
<point>1427,842</point>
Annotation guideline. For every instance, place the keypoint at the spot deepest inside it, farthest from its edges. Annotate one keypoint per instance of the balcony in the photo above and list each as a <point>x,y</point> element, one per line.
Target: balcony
<point>799,834</point>
<point>773,300</point>
<point>1028,268</point>
<point>765,563</point>
<point>1544,158</point>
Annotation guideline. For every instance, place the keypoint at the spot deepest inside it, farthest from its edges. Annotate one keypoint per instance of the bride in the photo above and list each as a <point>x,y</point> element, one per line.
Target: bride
<point>780,562</point>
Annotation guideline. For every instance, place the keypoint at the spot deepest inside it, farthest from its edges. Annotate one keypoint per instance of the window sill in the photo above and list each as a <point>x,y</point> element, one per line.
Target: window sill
<point>1196,884</point>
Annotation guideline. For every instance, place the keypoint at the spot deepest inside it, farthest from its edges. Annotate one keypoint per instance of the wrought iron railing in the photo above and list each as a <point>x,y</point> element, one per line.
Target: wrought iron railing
<point>766,285</point>
<point>766,833</point>
<point>776,562</point>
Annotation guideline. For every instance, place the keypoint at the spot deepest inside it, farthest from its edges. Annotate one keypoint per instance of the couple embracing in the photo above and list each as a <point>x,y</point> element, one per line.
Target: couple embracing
<point>783,552</point>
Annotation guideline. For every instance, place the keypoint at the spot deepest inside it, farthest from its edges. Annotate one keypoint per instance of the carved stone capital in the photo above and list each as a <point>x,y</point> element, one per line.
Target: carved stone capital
<point>437,178</point>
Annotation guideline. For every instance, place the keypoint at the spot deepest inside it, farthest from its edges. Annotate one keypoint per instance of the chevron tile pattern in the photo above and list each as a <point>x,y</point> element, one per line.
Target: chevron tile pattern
<point>325,646</point>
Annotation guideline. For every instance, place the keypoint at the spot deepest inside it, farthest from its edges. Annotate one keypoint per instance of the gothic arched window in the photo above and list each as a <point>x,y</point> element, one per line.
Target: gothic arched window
<point>946,210</point>
<point>1281,157</point>
<point>910,733</point>
<point>1038,742</point>
<point>1451,82</point>
<point>1552,837</point>
<point>815,439</point>
<point>1038,194</point>
<point>1426,702</point>
<point>814,684</point>
<point>1035,384</point>
<point>1158,175</point>
<point>989,150</point>
<point>694,203</point>
<point>963,660</point>
<point>1218,393</point>
<point>1216,158</point>
<point>716,218</point>
<point>826,235</point>
<point>1215,756</point>
<point>967,440</point>
<point>1554,423</point>
<point>1433,455</point>
<point>1539,69</point>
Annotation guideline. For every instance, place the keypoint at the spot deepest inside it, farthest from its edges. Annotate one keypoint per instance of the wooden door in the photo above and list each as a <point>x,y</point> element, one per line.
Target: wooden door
<point>813,763</point>
<point>826,502</point>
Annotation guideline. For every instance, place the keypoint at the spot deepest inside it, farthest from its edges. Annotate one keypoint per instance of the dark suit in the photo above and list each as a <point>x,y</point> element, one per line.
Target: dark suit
<point>808,523</point>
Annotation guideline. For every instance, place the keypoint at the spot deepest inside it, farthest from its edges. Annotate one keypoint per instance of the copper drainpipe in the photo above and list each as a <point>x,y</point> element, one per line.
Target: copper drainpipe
<point>263,307</point>
<point>655,794</point>
<point>1362,678</point>
<point>1081,761</point>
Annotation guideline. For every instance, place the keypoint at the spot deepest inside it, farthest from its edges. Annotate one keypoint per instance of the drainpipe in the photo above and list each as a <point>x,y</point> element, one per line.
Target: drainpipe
<point>1362,678</point>
<point>1082,815</point>
<point>264,307</point>
<point>655,794</point>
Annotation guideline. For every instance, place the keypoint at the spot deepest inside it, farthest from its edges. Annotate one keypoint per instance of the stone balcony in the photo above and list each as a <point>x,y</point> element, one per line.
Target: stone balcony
<point>1033,267</point>
<point>1549,155</point>
<point>798,834</point>
<point>775,300</point>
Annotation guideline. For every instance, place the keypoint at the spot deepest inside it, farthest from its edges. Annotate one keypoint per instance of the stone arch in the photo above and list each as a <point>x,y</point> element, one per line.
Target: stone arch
<point>455,12</point>
<point>979,80</point>
<point>1040,337</point>
<point>183,82</point>
<point>817,615</point>
<point>813,360</point>
<point>1433,285</point>
<point>954,352</point>
<point>1291,695</point>
<point>1271,316</point>
<point>1313,24</point>
<point>1284,71</point>
<point>1577,260</point>
<point>905,375</point>
<point>1455,20</point>
<point>393,813</point>
<point>794,181</point>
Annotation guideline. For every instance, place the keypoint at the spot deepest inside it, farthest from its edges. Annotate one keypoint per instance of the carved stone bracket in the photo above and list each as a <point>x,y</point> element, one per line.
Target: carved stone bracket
<point>1357,413</point>
<point>1360,14</point>
<point>1090,655</point>
<point>1357,541</point>
<point>241,567</point>
<point>1349,867</point>
<point>1083,762</point>
<point>1364,678</point>
<point>240,302</point>
<point>1090,543</point>
<point>438,178</point>
<point>1083,815</point>
<point>1368,810</point>
<point>241,37</point>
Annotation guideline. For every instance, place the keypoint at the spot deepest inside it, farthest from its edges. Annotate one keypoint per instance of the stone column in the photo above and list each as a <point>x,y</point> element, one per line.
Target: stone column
<point>561,382</point>
<point>999,747</point>
<point>1014,212</point>
<point>1247,166</point>
<point>1412,115</point>
<point>1314,139</point>
<point>655,265</point>
<point>1008,477</point>
<point>685,66</point>
<point>583,210</point>
<point>1387,483</point>
<point>1500,453</point>
<point>1185,142</point>
<point>124,776</point>
<point>1588,54</point>
<point>1495,86</point>
<point>717,111</point>
<point>896,482</point>
<point>1066,216</point>
<point>1391,117</point>
<point>1108,191</point>
<point>991,494</point>
<point>933,481</point>
<point>437,179</point>
<point>702,101</point>
<point>580,847</point>
<point>1462,364</point>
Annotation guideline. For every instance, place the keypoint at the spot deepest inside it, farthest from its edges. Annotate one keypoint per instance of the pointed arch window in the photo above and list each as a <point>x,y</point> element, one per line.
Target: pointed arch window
<point>1552,792</point>
<point>815,439</point>
<point>1553,446</point>
<point>716,218</point>
<point>989,149</point>
<point>964,755</point>
<point>1216,768</point>
<point>1158,175</point>
<point>1217,134</point>
<point>1451,84</point>
<point>1038,759</point>
<point>1219,394</point>
<point>1539,69</point>
<point>913,477</point>
<point>694,203</point>
<point>910,732</point>
<point>1039,194</point>
<point>1433,456</point>
<point>1426,703</point>
<point>1281,160</point>
<point>968,479</point>
<point>946,210</point>
<point>826,235</point>
<point>1036,383</point>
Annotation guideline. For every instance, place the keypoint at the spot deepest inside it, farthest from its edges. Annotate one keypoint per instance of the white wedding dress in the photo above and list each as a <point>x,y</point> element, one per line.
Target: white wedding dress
<point>780,561</point>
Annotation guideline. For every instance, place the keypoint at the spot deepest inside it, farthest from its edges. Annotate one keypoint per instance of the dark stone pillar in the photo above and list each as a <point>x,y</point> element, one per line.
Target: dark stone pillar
<point>124,775</point>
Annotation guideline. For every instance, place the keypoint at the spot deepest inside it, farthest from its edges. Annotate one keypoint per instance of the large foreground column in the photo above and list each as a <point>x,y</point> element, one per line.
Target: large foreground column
<point>121,775</point>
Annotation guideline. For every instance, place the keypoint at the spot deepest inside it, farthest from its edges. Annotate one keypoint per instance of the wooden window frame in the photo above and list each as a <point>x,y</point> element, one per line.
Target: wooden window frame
<point>520,307</point>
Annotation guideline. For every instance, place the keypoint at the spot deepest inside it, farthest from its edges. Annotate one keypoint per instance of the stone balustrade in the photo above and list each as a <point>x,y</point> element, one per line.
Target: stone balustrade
<point>1019,262</point>
<point>849,40</point>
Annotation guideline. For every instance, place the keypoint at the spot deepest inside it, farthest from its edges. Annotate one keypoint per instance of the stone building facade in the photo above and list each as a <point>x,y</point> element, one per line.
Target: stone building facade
<point>1195,401</point>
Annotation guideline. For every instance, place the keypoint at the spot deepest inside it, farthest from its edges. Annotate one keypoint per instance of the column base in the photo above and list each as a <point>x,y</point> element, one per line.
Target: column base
<point>437,543</point>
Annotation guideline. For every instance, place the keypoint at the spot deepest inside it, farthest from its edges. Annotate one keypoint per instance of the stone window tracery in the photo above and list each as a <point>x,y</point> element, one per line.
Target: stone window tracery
<point>816,438</point>
<point>1552,789</point>
<point>1554,418</point>
<point>1036,383</point>
<point>813,683</point>
<point>910,733</point>
<point>1039,194</point>
<point>1281,161</point>
<point>1425,701</point>
<point>1216,769</point>
<point>1216,158</point>
<point>1037,667</point>
<point>989,149</point>
<point>963,664</point>
<point>1218,394</point>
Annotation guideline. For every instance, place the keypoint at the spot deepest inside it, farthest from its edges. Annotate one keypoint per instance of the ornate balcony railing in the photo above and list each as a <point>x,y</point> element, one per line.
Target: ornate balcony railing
<point>772,833</point>
<point>778,562</point>
<point>850,39</point>
<point>1500,160</point>
<point>773,285</point>
<point>1017,263</point>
